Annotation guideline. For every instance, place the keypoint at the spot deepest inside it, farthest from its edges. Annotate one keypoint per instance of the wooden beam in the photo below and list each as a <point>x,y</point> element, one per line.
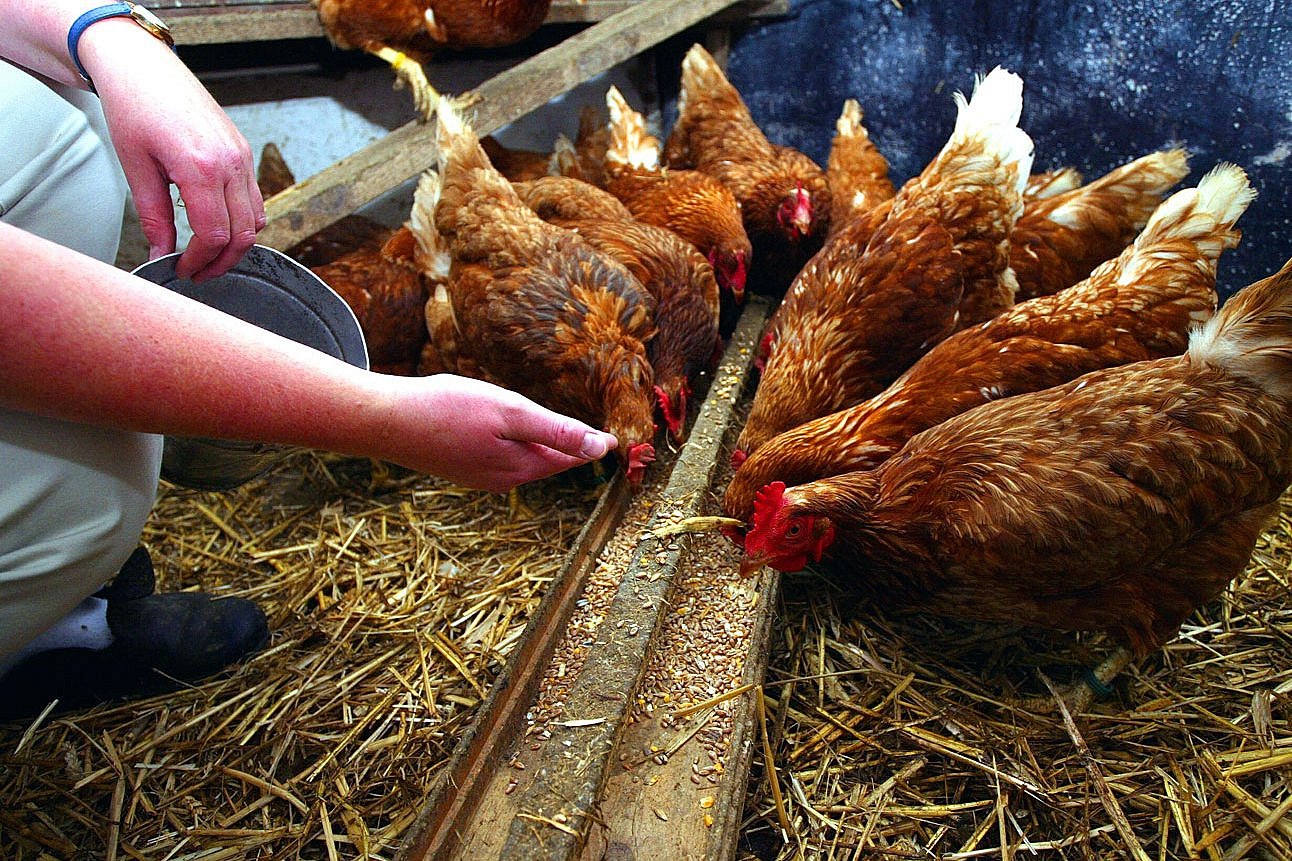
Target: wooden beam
<point>500,721</point>
<point>357,179</point>
<point>247,21</point>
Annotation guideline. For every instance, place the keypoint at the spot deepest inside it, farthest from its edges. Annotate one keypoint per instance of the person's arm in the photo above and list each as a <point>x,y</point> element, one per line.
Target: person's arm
<point>84,341</point>
<point>165,126</point>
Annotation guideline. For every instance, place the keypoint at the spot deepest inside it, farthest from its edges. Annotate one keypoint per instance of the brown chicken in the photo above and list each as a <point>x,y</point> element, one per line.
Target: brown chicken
<point>407,33</point>
<point>1048,183</point>
<point>863,310</point>
<point>584,157</point>
<point>1121,501</point>
<point>783,194</point>
<point>692,204</point>
<point>564,198</point>
<point>384,288</point>
<point>534,306</point>
<point>686,342</point>
<point>515,163</point>
<point>371,267</point>
<point>1061,237</point>
<point>856,171</point>
<point>1140,305</point>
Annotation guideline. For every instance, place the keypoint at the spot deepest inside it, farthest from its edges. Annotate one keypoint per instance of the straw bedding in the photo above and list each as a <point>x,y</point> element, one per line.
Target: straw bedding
<point>395,599</point>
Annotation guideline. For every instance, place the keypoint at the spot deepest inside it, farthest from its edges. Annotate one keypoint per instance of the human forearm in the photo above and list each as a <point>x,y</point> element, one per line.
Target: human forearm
<point>84,341</point>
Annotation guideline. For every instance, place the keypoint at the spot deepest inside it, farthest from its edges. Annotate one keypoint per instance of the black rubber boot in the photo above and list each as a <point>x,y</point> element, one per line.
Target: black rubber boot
<point>160,643</point>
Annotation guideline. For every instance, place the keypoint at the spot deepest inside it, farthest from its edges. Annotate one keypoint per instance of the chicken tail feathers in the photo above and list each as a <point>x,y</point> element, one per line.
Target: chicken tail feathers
<point>1251,334</point>
<point>457,142</point>
<point>992,115</point>
<point>701,74</point>
<point>432,254</point>
<point>1133,190</point>
<point>273,175</point>
<point>630,145</point>
<point>1204,216</point>
<point>849,124</point>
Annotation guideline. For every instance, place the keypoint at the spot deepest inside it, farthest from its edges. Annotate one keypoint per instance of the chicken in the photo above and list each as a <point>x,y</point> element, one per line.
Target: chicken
<point>1061,237</point>
<point>371,267</point>
<point>584,157</point>
<point>591,143</point>
<point>856,171</point>
<point>533,305</point>
<point>1137,306</point>
<point>273,173</point>
<point>686,342</point>
<point>384,288</point>
<point>1048,183</point>
<point>1119,502</point>
<point>349,233</point>
<point>517,164</point>
<point>692,204</point>
<point>783,194</point>
<point>406,33</point>
<point>876,298</point>
<point>557,199</point>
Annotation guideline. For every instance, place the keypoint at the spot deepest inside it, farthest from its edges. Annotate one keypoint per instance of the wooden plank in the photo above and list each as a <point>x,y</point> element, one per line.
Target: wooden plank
<point>478,755</point>
<point>216,22</point>
<point>357,179</point>
<point>679,804</point>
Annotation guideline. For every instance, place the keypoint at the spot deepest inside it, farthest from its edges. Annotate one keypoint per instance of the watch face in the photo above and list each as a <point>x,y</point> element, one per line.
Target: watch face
<point>150,22</point>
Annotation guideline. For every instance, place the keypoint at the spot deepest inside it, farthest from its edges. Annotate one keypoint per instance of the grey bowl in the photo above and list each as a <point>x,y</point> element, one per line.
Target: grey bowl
<point>272,291</point>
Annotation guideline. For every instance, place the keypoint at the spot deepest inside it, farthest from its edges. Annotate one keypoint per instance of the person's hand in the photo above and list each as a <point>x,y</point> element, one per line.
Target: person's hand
<point>167,128</point>
<point>480,435</point>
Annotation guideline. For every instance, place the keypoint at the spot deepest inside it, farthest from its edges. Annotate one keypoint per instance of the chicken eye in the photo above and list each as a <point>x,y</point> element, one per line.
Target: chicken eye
<point>794,530</point>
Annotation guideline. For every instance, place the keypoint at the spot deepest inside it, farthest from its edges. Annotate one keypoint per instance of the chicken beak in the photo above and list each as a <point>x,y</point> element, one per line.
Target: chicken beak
<point>751,564</point>
<point>803,221</point>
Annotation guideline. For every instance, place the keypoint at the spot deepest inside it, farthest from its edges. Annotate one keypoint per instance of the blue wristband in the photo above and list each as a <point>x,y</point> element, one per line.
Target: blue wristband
<point>141,16</point>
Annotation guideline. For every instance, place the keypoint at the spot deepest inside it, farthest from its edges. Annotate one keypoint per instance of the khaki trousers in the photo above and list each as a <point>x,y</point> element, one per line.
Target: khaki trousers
<point>73,498</point>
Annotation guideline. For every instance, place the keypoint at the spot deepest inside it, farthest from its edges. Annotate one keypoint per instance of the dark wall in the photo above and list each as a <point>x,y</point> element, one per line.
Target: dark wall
<point>1105,81</point>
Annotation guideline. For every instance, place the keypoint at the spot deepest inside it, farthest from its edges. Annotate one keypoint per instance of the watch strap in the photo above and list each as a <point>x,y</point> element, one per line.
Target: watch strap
<point>83,22</point>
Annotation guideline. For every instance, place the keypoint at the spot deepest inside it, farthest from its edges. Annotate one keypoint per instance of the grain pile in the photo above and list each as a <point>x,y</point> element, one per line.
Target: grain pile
<point>598,594</point>
<point>702,653</point>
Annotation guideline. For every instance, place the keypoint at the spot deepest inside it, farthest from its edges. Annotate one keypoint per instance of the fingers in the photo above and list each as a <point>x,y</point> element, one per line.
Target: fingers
<point>562,434</point>
<point>225,219</point>
<point>151,195</point>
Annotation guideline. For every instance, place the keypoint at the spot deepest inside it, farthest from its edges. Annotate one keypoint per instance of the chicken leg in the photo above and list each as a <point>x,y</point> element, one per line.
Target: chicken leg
<point>1078,696</point>
<point>410,72</point>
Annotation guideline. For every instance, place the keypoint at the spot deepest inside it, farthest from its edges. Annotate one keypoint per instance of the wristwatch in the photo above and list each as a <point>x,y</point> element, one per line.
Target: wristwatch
<point>140,15</point>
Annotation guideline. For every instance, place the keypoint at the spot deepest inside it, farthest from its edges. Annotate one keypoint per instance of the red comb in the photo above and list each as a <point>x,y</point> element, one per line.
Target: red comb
<point>671,418</point>
<point>738,458</point>
<point>638,456</point>
<point>767,501</point>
